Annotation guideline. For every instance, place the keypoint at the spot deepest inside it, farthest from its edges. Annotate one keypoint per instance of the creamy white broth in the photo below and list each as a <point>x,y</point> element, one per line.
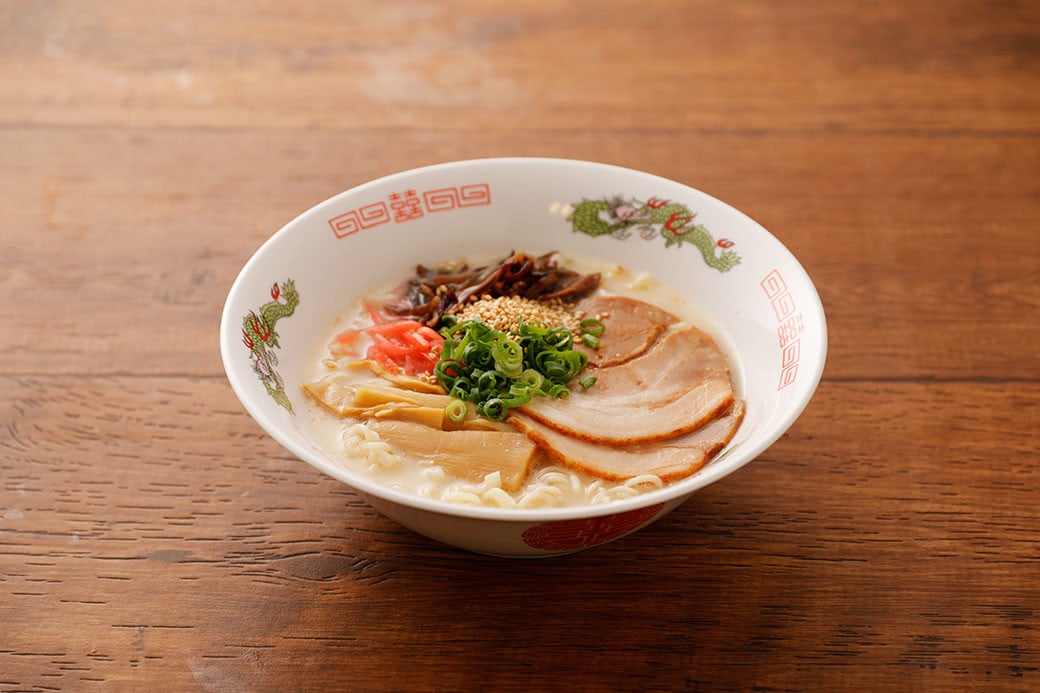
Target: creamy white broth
<point>548,485</point>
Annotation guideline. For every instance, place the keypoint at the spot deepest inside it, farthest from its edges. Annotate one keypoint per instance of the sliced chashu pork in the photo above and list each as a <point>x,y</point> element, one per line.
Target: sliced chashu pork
<point>676,386</point>
<point>629,328</point>
<point>669,459</point>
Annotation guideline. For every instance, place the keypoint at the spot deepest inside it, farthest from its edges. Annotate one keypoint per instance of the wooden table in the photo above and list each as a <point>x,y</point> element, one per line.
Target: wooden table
<point>153,537</point>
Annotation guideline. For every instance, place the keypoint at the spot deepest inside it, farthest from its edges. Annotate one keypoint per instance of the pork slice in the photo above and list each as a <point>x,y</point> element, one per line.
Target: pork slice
<point>676,386</point>
<point>669,459</point>
<point>630,326</point>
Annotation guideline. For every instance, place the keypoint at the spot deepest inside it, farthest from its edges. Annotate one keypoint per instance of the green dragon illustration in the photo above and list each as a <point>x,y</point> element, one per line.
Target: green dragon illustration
<point>260,337</point>
<point>673,221</point>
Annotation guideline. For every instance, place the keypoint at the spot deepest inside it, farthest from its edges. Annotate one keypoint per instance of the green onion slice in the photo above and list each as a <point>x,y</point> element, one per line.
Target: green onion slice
<point>593,326</point>
<point>590,340</point>
<point>495,409</point>
<point>456,410</point>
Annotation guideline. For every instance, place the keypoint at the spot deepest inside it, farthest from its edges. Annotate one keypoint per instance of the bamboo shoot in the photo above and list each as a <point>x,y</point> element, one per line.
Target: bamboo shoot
<point>468,455</point>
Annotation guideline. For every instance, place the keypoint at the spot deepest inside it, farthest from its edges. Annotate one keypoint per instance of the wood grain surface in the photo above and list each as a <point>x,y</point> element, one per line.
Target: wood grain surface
<point>153,537</point>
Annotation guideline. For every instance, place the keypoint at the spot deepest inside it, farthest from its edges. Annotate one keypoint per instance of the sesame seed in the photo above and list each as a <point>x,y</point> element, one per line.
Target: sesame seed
<point>505,312</point>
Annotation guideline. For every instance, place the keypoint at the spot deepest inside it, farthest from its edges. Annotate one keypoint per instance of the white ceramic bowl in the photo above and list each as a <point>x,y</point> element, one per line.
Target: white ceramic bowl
<point>749,284</point>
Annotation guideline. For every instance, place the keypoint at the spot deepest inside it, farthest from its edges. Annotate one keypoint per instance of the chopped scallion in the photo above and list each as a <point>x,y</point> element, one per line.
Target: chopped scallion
<point>497,371</point>
<point>456,410</point>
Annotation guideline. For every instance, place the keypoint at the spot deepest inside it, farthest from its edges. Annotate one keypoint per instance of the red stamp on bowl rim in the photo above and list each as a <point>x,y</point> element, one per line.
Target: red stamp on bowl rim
<point>564,535</point>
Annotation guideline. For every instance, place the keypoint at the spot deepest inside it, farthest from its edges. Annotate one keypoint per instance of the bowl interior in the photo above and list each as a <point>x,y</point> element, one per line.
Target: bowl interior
<point>761,305</point>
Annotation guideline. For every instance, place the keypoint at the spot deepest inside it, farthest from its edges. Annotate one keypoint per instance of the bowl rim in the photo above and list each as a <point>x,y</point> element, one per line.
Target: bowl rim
<point>675,492</point>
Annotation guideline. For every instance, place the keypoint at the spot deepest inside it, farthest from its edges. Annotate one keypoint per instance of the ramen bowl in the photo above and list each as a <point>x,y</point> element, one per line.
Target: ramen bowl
<point>759,299</point>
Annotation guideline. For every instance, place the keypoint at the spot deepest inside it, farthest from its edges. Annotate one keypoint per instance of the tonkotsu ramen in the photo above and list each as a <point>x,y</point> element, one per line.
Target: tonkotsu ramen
<point>524,382</point>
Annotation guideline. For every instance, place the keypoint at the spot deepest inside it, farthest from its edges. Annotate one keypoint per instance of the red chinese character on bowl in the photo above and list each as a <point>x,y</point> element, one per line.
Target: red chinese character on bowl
<point>406,206</point>
<point>581,533</point>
